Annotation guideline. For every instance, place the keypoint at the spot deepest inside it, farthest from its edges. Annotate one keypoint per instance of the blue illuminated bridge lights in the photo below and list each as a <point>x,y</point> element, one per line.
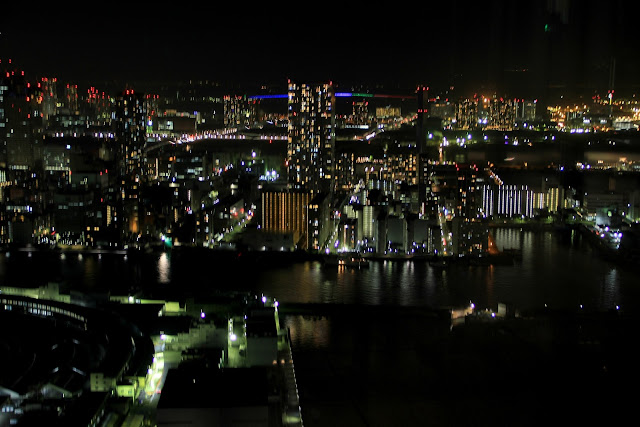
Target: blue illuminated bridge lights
<point>338,95</point>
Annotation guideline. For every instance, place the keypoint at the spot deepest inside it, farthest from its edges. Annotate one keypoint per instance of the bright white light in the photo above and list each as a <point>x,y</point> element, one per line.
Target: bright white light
<point>264,299</point>
<point>233,337</point>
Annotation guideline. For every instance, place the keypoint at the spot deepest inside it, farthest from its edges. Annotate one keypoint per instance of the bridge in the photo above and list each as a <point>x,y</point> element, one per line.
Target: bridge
<point>208,136</point>
<point>339,95</point>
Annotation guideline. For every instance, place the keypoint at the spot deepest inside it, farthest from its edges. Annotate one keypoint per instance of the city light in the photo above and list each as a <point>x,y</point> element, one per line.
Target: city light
<point>463,189</point>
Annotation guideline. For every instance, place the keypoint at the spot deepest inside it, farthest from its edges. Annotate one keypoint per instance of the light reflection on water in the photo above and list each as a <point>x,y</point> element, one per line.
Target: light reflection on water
<point>560,270</point>
<point>164,269</point>
<point>309,332</point>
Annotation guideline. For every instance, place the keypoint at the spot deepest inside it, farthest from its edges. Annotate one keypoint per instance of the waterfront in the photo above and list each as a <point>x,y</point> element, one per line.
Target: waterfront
<point>557,269</point>
<point>373,363</point>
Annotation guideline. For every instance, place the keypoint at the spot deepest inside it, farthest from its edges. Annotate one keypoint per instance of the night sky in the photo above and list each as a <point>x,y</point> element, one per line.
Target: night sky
<point>516,47</point>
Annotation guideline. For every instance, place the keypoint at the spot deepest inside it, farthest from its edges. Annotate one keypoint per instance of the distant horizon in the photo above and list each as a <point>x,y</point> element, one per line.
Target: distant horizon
<point>527,48</point>
<point>229,86</point>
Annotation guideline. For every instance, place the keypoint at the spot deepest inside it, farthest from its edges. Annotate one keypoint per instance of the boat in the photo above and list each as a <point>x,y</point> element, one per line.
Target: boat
<point>346,260</point>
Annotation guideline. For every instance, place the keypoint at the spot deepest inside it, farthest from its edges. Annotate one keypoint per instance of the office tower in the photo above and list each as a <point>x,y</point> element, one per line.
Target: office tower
<point>311,145</point>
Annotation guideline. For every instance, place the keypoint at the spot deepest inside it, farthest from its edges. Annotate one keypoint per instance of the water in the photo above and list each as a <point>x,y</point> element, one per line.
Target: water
<point>560,270</point>
<point>356,369</point>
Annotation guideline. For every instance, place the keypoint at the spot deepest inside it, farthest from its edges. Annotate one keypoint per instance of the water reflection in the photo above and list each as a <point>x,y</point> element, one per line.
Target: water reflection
<point>90,270</point>
<point>611,289</point>
<point>164,269</point>
<point>309,332</point>
<point>557,269</point>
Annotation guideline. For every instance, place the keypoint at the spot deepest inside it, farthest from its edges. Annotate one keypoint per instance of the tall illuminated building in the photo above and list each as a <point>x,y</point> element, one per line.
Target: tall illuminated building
<point>469,233</point>
<point>71,97</point>
<point>526,110</point>
<point>502,114</point>
<point>98,106</point>
<point>422,163</point>
<point>311,145</point>
<point>467,114</point>
<point>16,133</point>
<point>239,111</point>
<point>130,131</point>
<point>360,112</point>
<point>50,97</point>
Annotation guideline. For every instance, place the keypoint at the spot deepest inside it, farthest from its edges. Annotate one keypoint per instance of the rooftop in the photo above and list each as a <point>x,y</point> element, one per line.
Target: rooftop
<point>214,388</point>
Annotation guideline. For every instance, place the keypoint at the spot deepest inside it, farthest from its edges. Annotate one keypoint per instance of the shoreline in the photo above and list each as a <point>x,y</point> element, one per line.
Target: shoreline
<point>504,257</point>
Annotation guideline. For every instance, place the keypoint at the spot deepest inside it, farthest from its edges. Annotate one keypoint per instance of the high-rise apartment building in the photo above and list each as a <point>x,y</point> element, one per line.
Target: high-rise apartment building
<point>71,97</point>
<point>526,110</point>
<point>467,114</point>
<point>311,145</point>
<point>44,99</point>
<point>16,134</point>
<point>360,112</point>
<point>98,107</point>
<point>130,125</point>
<point>239,111</point>
<point>130,122</point>
<point>502,114</point>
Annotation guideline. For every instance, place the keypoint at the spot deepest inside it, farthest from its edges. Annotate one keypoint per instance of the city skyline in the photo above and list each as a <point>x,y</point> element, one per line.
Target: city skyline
<point>436,208</point>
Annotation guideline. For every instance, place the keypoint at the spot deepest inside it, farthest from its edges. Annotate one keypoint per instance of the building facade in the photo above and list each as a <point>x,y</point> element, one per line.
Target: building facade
<point>287,213</point>
<point>311,140</point>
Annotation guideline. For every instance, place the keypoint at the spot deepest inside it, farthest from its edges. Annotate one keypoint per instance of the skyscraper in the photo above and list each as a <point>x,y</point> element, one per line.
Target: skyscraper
<point>130,122</point>
<point>16,135</point>
<point>131,129</point>
<point>311,146</point>
<point>239,111</point>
